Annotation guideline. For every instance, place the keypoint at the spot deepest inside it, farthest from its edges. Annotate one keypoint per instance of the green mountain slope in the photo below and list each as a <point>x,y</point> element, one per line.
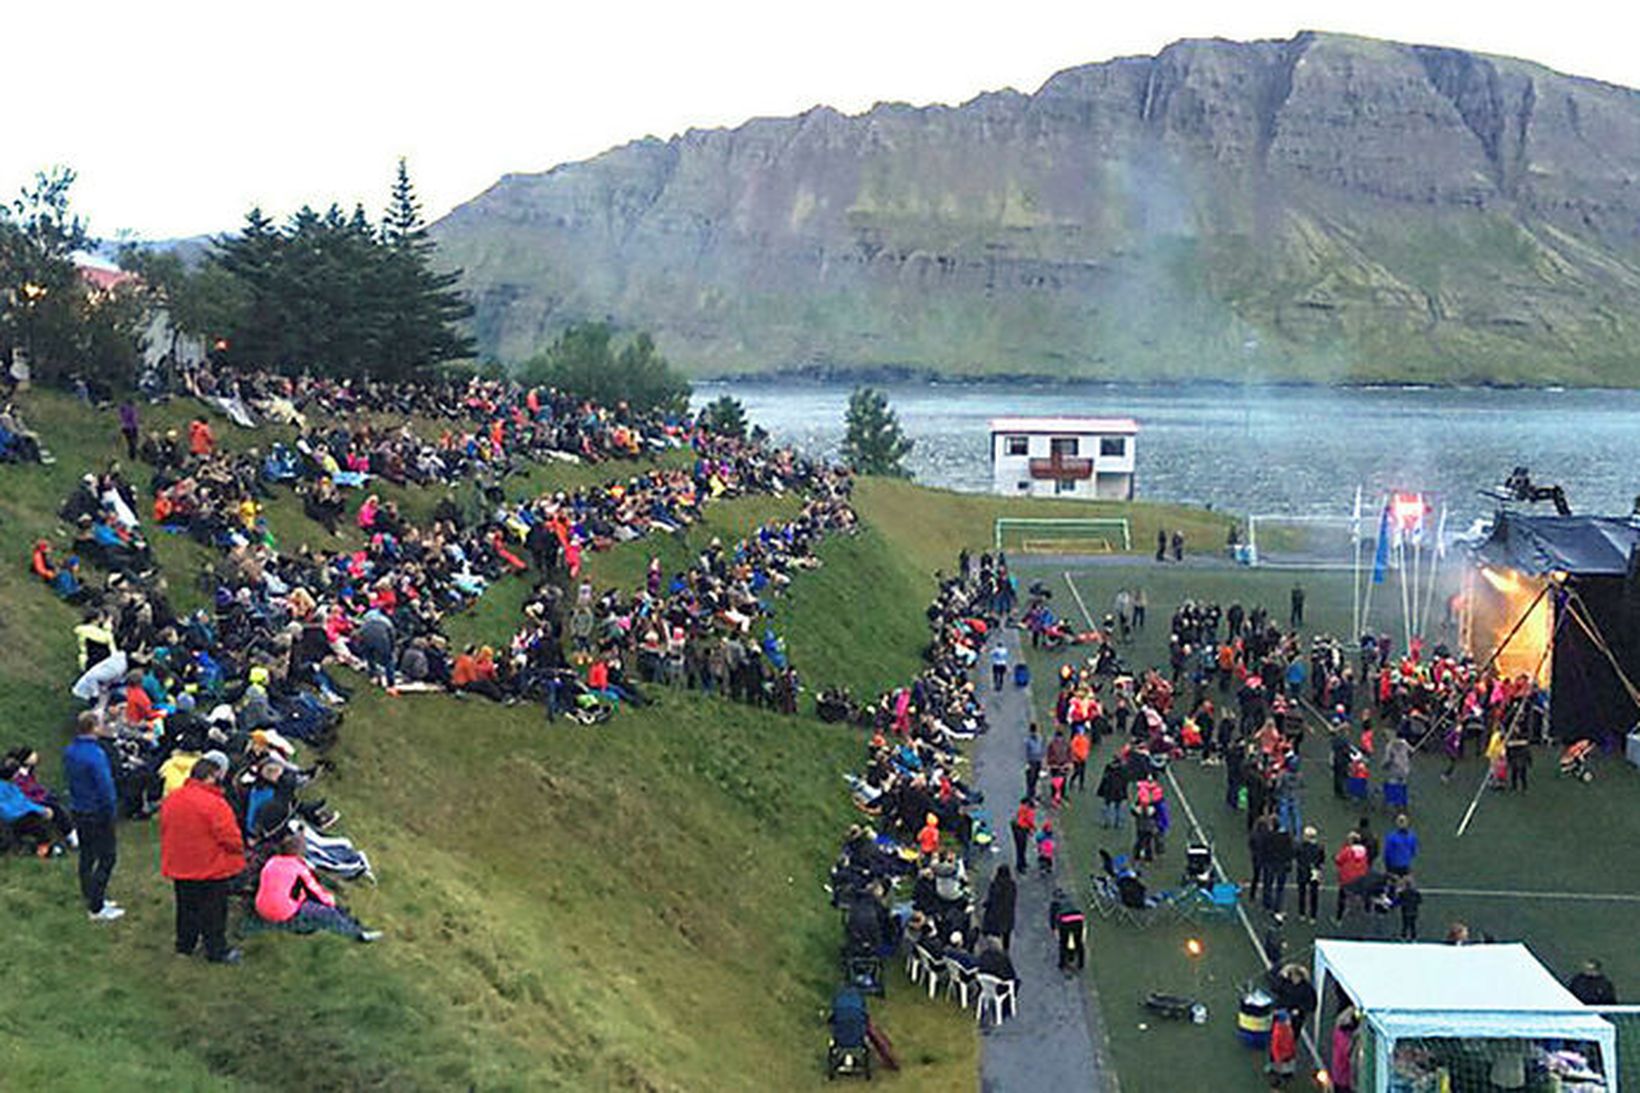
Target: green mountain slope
<point>1324,208</point>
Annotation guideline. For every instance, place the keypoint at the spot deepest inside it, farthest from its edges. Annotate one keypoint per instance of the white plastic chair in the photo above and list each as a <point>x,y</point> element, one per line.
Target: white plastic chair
<point>933,966</point>
<point>959,980</point>
<point>919,962</point>
<point>997,993</point>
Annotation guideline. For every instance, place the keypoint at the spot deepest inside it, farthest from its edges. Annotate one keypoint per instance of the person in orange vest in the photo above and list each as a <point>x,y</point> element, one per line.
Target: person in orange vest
<point>201,851</point>
<point>1081,748</point>
<point>1283,1050</point>
<point>928,839</point>
<point>201,441</point>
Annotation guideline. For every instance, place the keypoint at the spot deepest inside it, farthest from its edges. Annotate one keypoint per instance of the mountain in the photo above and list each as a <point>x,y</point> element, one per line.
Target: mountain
<point>1324,208</point>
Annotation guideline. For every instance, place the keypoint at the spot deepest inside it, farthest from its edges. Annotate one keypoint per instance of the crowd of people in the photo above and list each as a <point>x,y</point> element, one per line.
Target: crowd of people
<point>227,695</point>
<point>922,821</point>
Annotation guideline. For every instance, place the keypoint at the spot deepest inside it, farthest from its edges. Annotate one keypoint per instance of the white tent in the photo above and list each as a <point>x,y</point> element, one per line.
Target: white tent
<point>1480,992</point>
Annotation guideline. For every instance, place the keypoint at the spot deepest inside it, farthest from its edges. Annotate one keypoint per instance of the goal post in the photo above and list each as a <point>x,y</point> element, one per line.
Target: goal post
<point>1322,542</point>
<point>1063,535</point>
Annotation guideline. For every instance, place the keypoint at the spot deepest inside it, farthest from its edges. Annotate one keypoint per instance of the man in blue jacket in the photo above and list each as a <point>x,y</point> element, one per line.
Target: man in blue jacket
<point>91,793</point>
<point>1400,847</point>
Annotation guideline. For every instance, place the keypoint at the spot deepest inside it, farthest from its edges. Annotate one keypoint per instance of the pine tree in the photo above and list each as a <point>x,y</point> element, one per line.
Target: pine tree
<point>422,326</point>
<point>874,442</point>
<point>725,415</point>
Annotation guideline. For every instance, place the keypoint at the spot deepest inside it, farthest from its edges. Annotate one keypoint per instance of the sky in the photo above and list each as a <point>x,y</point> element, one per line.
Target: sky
<point>180,116</point>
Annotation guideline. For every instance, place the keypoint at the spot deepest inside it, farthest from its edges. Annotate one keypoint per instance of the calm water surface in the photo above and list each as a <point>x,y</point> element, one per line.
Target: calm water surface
<point>1263,449</point>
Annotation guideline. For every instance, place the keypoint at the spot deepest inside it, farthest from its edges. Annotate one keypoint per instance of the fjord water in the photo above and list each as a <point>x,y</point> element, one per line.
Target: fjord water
<point>1299,450</point>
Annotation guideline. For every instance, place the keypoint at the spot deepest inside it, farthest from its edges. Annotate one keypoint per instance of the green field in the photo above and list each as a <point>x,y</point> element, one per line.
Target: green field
<point>1562,837</point>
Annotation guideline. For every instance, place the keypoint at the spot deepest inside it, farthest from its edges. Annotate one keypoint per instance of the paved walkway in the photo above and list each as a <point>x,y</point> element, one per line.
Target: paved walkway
<point>1056,1042</point>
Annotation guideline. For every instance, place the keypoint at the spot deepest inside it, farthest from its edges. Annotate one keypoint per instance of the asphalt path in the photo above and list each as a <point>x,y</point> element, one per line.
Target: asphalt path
<point>1055,1042</point>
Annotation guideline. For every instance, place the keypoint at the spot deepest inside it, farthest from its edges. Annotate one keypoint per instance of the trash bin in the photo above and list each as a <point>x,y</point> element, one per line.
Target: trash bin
<point>1022,675</point>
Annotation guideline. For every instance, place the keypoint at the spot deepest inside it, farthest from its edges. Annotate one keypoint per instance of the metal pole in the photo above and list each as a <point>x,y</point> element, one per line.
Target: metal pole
<point>1520,708</point>
<point>1355,572</point>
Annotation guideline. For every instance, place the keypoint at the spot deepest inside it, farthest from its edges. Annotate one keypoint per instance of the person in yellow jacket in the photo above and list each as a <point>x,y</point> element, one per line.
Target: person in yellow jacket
<point>175,770</point>
<point>95,640</point>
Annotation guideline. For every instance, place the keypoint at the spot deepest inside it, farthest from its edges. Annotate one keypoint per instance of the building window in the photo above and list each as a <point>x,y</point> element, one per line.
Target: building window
<point>1062,445</point>
<point>1113,446</point>
<point>1019,445</point>
<point>1064,485</point>
<point>1024,486</point>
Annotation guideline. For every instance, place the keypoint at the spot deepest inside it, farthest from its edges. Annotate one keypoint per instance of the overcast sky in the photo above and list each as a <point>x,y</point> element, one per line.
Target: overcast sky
<point>179,116</point>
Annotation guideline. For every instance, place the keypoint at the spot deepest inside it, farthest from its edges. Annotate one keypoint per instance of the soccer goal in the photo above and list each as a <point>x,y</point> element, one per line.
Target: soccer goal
<point>1313,542</point>
<point>1063,535</point>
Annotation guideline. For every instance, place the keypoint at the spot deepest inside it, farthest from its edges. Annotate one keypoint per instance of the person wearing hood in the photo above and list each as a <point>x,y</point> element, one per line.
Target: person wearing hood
<point>1000,900</point>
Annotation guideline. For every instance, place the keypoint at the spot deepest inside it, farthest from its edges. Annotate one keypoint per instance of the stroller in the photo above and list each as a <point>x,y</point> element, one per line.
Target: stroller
<point>1198,865</point>
<point>1575,760</point>
<point>849,1051</point>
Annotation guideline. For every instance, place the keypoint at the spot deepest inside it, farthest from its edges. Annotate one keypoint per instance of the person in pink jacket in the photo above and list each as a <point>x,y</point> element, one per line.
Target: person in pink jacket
<point>288,893</point>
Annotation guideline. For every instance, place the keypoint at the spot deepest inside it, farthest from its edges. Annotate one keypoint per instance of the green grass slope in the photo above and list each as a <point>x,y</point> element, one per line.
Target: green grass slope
<point>635,906</point>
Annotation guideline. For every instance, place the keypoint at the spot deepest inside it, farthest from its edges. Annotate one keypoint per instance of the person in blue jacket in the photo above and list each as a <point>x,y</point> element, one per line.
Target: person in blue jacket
<point>1400,847</point>
<point>27,820</point>
<point>93,802</point>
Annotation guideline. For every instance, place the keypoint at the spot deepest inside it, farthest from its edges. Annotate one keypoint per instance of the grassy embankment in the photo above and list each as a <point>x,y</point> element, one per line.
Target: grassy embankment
<point>636,906</point>
<point>628,907</point>
<point>1556,838</point>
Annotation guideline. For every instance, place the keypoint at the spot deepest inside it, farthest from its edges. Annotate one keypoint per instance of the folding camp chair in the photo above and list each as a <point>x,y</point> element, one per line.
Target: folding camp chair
<point>1213,903</point>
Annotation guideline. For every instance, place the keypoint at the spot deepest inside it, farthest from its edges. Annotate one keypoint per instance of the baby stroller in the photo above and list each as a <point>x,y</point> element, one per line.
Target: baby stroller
<point>1198,865</point>
<point>1575,760</point>
<point>849,1052</point>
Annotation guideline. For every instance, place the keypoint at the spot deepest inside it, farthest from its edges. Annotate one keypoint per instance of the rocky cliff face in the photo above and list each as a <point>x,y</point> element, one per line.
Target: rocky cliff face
<point>1321,208</point>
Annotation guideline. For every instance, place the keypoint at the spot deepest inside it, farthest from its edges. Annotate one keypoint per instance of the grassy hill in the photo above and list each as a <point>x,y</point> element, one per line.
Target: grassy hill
<point>634,906</point>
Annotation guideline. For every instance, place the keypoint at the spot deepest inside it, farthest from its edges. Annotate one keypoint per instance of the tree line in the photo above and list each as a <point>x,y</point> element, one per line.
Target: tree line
<point>332,292</point>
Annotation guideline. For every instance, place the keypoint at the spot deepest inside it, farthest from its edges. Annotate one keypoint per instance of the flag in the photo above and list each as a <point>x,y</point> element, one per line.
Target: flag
<point>1380,559</point>
<point>1355,521</point>
<point>1440,535</point>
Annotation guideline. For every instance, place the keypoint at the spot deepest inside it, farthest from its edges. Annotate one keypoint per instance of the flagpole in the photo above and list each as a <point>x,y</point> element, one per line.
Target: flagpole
<point>1380,552</point>
<point>1355,572</point>
<point>1435,566</point>
<point>1417,587</point>
<point>1406,613</point>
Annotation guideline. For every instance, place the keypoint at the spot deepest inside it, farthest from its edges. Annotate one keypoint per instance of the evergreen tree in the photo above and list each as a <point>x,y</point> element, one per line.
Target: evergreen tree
<point>725,416</point>
<point>422,328</point>
<point>873,442</point>
<point>585,362</point>
<point>335,292</point>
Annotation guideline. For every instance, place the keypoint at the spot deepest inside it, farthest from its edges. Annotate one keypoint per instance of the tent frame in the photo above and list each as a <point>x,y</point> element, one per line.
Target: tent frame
<point>1574,1020</point>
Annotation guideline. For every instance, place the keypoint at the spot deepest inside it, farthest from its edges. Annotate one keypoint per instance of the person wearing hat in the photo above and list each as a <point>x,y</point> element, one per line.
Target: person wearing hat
<point>201,850</point>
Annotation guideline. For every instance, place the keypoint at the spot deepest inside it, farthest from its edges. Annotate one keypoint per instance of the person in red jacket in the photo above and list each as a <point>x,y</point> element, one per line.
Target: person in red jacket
<point>200,852</point>
<point>1353,865</point>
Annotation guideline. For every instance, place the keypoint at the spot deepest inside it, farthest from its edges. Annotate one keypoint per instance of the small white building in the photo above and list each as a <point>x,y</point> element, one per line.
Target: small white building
<point>1078,457</point>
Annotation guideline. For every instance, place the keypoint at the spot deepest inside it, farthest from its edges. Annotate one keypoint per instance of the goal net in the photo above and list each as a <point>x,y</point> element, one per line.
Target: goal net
<point>1063,535</point>
<point>1314,542</point>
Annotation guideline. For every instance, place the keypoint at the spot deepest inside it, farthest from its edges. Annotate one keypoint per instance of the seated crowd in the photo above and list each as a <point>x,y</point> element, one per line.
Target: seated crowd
<point>924,819</point>
<point>246,681</point>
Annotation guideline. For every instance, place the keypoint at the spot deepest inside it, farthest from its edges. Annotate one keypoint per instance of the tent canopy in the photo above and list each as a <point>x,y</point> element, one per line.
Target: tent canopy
<point>1469,991</point>
<point>1581,545</point>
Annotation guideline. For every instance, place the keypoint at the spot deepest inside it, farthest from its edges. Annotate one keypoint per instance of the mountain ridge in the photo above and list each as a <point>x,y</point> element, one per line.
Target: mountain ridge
<point>1320,208</point>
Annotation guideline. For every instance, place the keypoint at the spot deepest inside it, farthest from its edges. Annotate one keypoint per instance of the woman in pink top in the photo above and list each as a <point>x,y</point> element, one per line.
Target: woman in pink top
<point>288,892</point>
<point>1342,1072</point>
